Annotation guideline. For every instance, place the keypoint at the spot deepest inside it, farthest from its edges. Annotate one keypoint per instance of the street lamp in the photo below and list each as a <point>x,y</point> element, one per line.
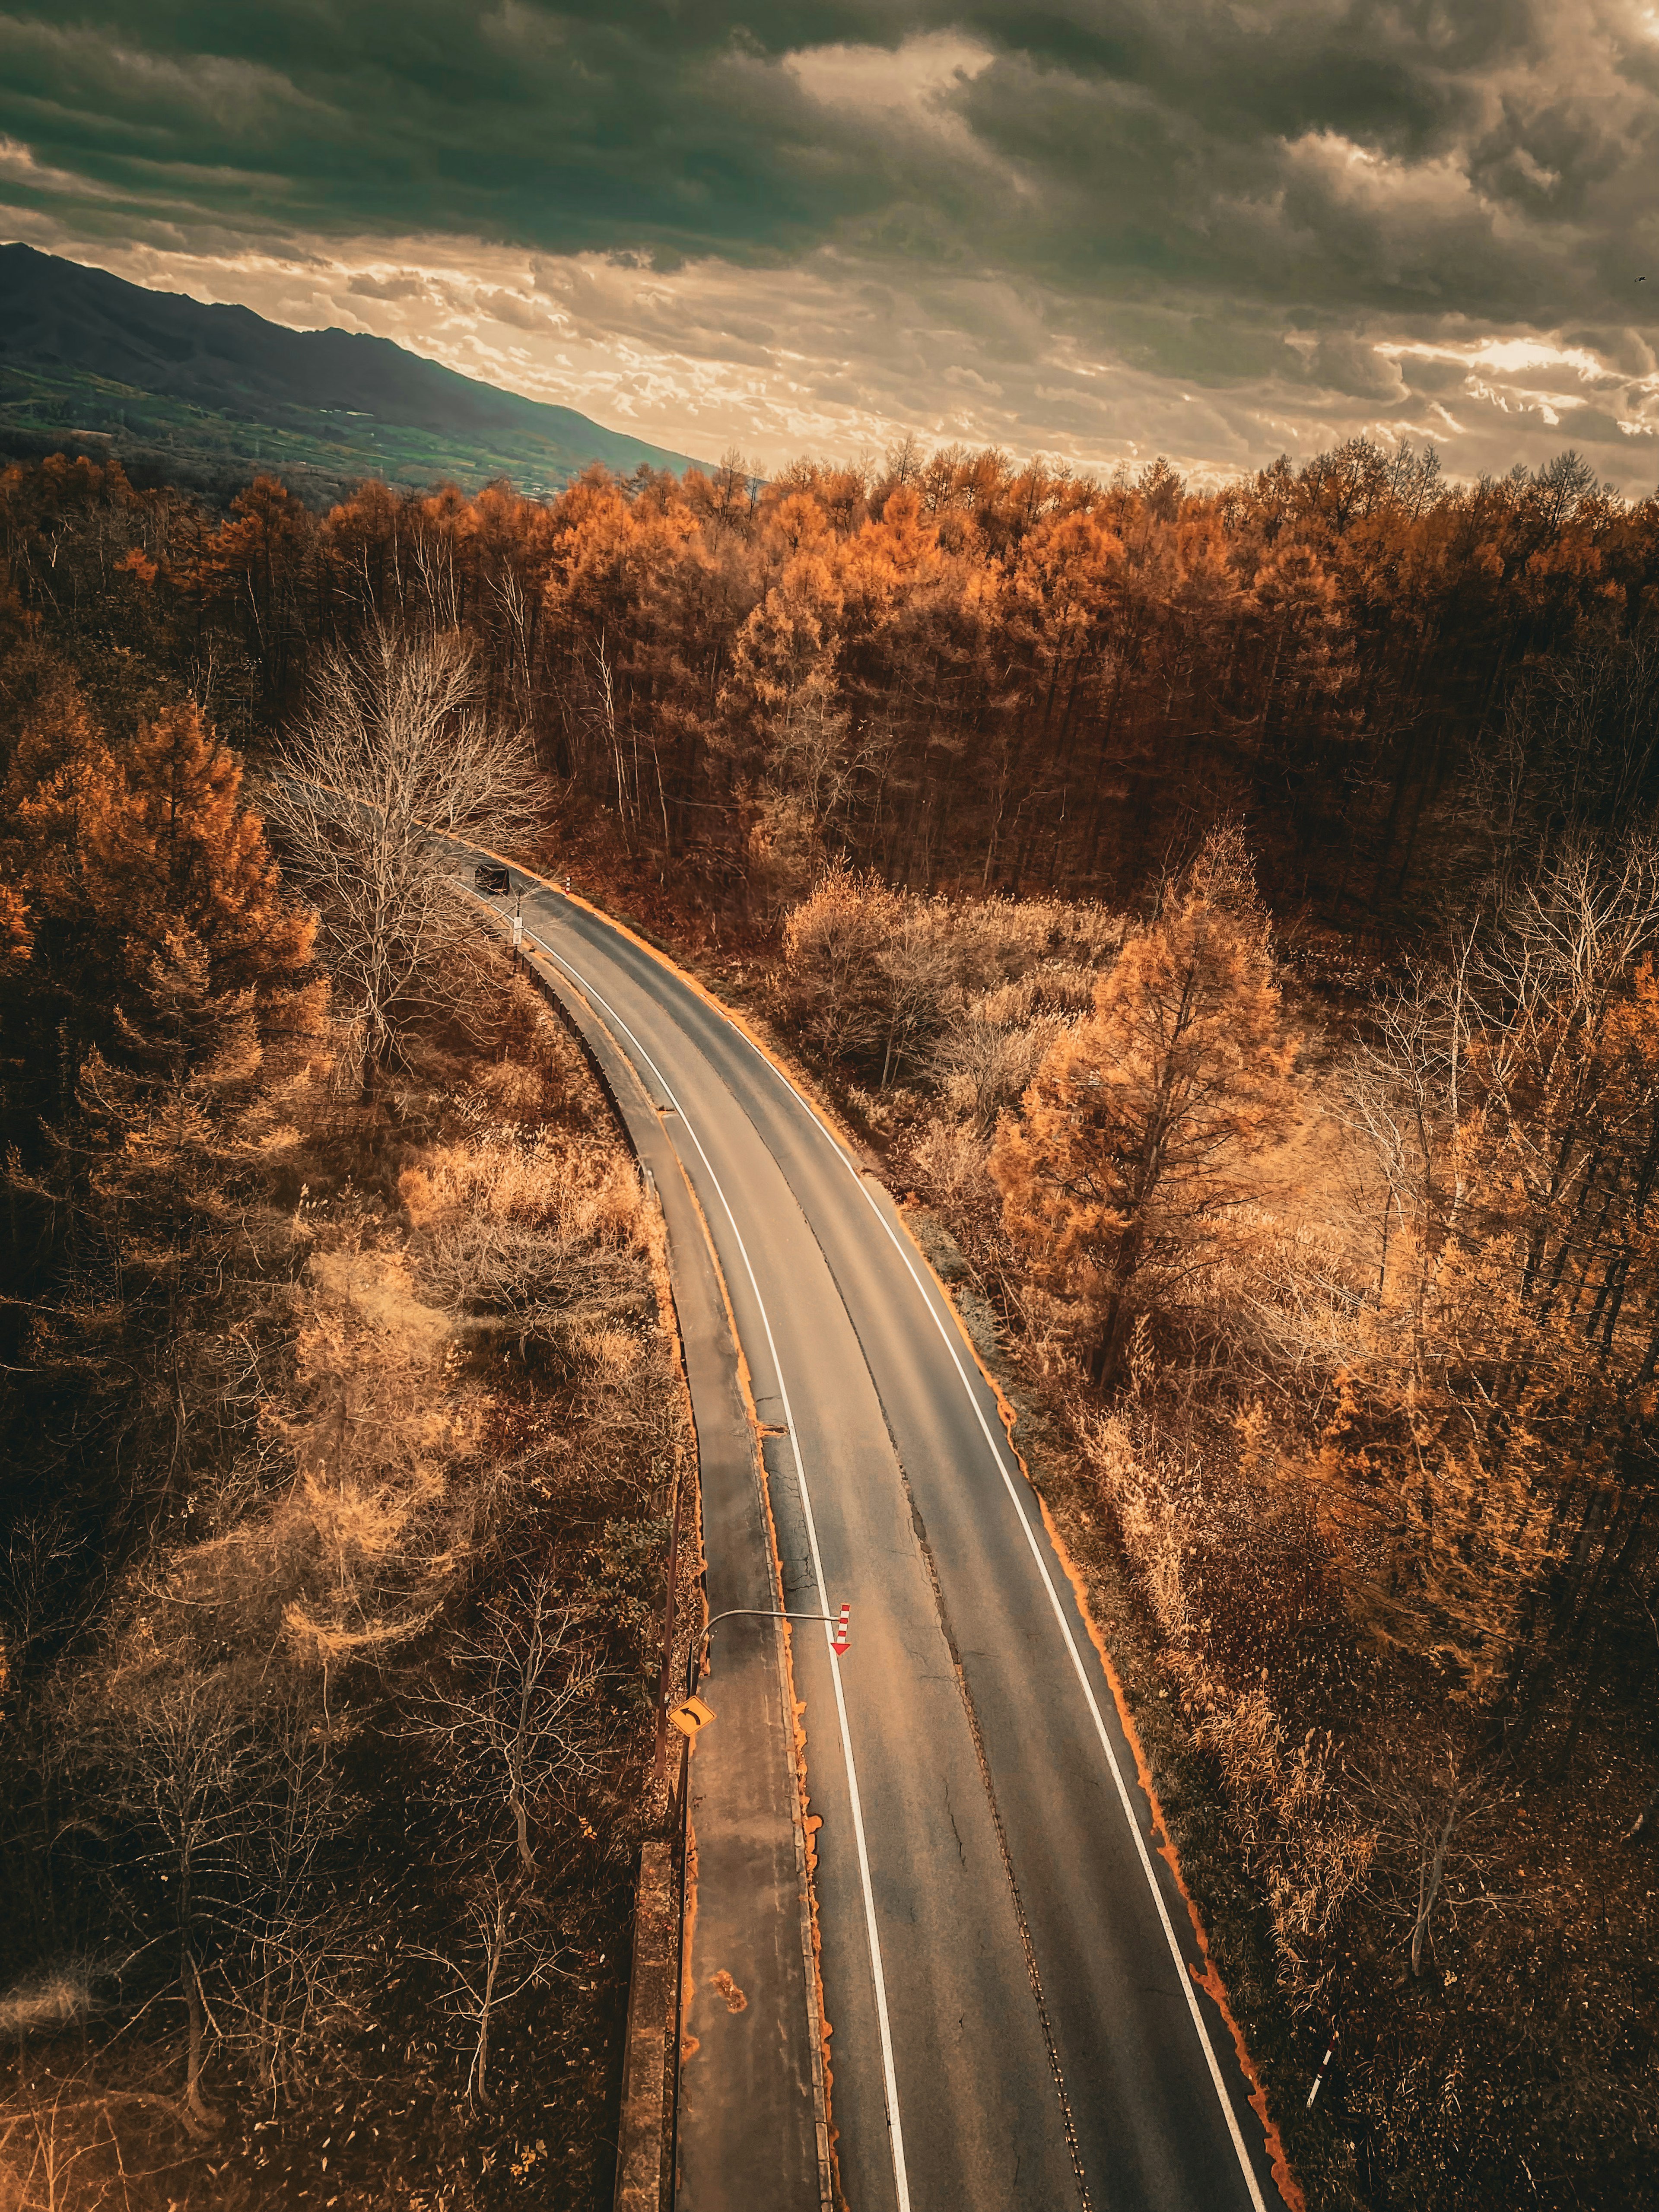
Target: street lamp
<point>841,1622</point>
<point>692,1715</point>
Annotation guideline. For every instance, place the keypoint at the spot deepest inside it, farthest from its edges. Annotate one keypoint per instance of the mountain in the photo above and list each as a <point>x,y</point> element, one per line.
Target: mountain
<point>208,396</point>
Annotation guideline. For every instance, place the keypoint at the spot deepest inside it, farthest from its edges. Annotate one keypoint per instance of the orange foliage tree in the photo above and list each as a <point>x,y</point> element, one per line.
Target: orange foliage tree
<point>113,858</point>
<point>955,669</point>
<point>1125,1161</point>
<point>171,845</point>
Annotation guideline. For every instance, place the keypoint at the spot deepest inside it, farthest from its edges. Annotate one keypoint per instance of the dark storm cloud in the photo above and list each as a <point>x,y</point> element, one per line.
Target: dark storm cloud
<point>670,130</point>
<point>1121,143</point>
<point>1244,198</point>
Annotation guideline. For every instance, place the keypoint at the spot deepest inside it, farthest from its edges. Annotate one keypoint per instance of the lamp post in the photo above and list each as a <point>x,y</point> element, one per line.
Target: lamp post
<point>841,1622</point>
<point>692,1715</point>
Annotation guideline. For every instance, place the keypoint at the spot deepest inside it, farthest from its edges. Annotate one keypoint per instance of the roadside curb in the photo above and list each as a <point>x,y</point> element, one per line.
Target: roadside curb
<point>648,2110</point>
<point>647,2117</point>
<point>652,1991</point>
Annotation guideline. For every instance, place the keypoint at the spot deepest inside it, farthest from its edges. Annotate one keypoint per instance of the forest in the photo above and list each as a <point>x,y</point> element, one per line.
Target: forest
<point>344,1435</point>
<point>1231,918</point>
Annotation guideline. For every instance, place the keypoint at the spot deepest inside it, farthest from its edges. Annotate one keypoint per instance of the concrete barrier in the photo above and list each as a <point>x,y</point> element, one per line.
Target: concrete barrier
<point>649,2073</point>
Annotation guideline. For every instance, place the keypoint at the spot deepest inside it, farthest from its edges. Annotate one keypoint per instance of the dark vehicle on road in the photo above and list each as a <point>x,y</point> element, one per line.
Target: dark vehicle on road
<point>490,876</point>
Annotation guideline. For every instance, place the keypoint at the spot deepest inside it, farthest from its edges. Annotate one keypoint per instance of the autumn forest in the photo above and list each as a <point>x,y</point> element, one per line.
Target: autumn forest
<point>1228,918</point>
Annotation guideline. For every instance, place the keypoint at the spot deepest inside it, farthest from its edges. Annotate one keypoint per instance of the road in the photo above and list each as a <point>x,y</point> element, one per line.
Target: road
<point>1007,1965</point>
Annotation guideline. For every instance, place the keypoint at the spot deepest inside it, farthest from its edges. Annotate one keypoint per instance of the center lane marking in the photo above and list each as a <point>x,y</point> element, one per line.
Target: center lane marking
<point>895,2127</point>
<point>1106,1744</point>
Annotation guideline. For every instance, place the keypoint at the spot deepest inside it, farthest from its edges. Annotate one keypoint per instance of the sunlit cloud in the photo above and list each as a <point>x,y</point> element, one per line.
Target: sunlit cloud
<point>1512,356</point>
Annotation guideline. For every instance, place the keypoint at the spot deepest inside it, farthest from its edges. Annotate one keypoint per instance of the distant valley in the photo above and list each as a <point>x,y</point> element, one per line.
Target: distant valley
<point>208,396</point>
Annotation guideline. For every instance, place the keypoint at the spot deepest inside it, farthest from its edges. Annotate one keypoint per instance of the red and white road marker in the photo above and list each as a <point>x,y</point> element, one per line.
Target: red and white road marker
<point>841,1635</point>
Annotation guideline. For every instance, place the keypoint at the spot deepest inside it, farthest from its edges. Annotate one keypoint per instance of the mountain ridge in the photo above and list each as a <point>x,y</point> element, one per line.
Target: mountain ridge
<point>164,379</point>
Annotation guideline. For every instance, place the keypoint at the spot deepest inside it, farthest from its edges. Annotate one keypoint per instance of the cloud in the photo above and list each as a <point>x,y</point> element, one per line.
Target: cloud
<point>1095,228</point>
<point>1349,366</point>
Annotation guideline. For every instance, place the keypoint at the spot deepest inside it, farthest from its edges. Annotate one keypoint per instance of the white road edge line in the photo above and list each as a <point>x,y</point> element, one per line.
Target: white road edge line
<point>1024,1518</point>
<point>894,2129</point>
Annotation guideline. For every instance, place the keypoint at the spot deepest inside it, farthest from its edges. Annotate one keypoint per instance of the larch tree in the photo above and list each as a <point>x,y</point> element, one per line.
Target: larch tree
<point>250,570</point>
<point>175,848</point>
<point>60,778</point>
<point>57,778</point>
<point>16,936</point>
<point>111,853</point>
<point>165,962</point>
<point>1127,1155</point>
<point>132,866</point>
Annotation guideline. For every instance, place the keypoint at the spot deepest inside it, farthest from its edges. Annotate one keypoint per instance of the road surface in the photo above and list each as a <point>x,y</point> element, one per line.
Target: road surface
<point>1006,1962</point>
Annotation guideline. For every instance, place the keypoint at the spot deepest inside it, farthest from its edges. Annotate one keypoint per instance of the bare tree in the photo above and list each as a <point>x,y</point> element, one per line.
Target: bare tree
<point>219,1780</point>
<point>504,1947</point>
<point>1512,1027</point>
<point>514,1728</point>
<point>395,756</point>
<point>529,1282</point>
<point>182,1757</point>
<point>39,1548</point>
<point>831,984</point>
<point>919,978</point>
<point>297,1949</point>
<point>37,2124</point>
<point>1435,1819</point>
<point>516,1724</point>
<point>1495,1439</point>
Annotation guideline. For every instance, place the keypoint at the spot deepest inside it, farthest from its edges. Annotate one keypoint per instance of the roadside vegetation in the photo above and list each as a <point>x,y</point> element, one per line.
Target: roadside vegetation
<point>1340,1340</point>
<point>343,1428</point>
<point>1231,918</point>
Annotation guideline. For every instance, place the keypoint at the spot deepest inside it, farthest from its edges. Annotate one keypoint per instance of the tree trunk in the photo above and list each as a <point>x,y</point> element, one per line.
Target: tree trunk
<point>486,2004</point>
<point>190,1983</point>
<point>1429,1878</point>
<point>1108,1361</point>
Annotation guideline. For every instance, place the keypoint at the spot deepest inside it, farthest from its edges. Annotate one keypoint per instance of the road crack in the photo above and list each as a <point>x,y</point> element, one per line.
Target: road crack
<point>961,1850</point>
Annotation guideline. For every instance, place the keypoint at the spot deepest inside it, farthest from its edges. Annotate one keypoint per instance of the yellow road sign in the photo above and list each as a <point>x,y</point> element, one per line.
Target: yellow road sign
<point>690,1714</point>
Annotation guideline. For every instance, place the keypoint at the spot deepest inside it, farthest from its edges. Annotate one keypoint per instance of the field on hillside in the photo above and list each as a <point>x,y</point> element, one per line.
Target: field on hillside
<point>319,454</point>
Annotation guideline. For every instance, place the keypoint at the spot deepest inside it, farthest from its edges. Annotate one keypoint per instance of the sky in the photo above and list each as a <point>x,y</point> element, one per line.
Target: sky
<point>1099,230</point>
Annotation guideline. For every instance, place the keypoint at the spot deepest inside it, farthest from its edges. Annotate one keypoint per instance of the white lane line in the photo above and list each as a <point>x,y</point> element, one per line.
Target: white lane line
<point>1009,1484</point>
<point>894,2130</point>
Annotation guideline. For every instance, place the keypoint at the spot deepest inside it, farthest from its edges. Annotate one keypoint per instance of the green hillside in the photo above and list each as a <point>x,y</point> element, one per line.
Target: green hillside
<point>208,396</point>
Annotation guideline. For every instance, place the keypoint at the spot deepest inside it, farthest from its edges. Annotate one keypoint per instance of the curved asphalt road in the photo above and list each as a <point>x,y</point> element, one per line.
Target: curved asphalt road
<point>1006,1962</point>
